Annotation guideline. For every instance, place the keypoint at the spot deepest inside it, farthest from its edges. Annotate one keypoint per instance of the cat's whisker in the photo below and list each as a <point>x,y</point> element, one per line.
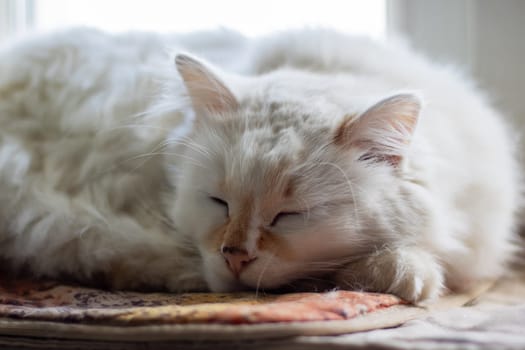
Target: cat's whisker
<point>188,142</point>
<point>130,126</point>
<point>158,109</point>
<point>145,157</point>
<point>259,279</point>
<point>306,207</point>
<point>323,264</point>
<point>116,165</point>
<point>153,211</point>
<point>181,155</point>
<point>200,151</point>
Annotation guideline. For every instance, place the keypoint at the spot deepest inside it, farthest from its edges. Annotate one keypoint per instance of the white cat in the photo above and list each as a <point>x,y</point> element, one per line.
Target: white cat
<point>317,156</point>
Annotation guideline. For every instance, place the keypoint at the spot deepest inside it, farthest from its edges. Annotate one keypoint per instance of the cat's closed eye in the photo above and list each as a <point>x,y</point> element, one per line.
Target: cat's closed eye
<point>284,214</point>
<point>222,203</point>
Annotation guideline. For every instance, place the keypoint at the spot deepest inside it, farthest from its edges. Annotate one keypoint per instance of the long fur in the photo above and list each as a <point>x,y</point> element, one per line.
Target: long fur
<point>108,157</point>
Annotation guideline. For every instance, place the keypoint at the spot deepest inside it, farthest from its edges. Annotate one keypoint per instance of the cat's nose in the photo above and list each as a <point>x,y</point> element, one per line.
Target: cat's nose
<point>236,258</point>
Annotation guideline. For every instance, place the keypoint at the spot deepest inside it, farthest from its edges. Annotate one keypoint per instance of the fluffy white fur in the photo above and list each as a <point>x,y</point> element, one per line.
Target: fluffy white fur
<point>335,158</point>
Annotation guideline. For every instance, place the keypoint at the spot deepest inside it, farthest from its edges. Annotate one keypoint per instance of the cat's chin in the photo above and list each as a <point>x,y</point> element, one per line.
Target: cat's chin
<point>222,281</point>
<point>221,284</point>
<point>225,282</point>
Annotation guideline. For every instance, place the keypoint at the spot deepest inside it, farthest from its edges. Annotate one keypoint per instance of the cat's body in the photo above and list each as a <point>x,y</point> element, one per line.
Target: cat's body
<point>287,174</point>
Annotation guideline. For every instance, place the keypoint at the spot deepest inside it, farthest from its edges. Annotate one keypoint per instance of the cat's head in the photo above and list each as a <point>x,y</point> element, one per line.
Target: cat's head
<point>274,184</point>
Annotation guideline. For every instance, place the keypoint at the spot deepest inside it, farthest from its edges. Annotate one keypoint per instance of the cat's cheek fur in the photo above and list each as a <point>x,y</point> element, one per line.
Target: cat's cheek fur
<point>409,272</point>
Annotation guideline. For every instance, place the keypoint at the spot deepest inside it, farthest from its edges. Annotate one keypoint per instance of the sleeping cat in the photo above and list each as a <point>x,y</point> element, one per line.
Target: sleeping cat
<point>303,156</point>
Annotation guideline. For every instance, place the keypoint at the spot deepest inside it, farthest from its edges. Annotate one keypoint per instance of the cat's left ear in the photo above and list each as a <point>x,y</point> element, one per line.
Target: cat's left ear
<point>384,131</point>
<point>207,92</point>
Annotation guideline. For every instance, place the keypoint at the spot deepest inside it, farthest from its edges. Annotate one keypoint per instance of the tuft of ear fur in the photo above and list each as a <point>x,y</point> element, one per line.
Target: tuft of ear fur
<point>207,92</point>
<point>383,131</point>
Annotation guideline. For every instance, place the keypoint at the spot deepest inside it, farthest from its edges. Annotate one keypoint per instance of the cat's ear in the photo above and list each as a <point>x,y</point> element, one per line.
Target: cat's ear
<point>207,92</point>
<point>384,131</point>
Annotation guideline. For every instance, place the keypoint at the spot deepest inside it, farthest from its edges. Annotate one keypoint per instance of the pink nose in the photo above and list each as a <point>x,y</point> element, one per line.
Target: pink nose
<point>236,258</point>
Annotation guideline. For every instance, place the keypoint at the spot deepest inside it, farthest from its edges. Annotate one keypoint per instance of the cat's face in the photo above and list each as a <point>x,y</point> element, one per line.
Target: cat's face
<point>272,191</point>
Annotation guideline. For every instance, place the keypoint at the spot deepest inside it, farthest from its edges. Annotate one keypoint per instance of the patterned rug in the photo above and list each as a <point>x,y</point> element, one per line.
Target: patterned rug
<point>50,301</point>
<point>50,315</point>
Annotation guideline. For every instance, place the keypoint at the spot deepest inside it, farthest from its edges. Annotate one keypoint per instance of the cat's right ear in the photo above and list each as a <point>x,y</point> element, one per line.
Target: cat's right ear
<point>384,131</point>
<point>208,93</point>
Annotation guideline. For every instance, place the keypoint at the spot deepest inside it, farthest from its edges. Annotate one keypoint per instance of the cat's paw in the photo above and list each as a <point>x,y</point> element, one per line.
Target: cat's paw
<point>409,273</point>
<point>417,277</point>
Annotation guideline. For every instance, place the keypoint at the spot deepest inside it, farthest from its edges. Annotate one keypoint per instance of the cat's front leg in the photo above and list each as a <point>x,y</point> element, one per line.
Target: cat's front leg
<point>163,271</point>
<point>408,272</point>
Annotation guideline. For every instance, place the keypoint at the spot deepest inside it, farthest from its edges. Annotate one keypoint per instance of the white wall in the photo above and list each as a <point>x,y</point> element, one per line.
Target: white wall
<point>484,37</point>
<point>253,17</point>
<point>16,16</point>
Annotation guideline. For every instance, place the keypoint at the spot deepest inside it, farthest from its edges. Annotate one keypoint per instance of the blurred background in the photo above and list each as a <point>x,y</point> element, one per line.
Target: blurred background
<point>484,38</point>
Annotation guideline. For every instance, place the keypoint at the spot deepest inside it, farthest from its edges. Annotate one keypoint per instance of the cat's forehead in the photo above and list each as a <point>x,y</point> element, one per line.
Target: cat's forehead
<point>279,130</point>
<point>262,144</point>
<point>263,151</point>
<point>283,115</point>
